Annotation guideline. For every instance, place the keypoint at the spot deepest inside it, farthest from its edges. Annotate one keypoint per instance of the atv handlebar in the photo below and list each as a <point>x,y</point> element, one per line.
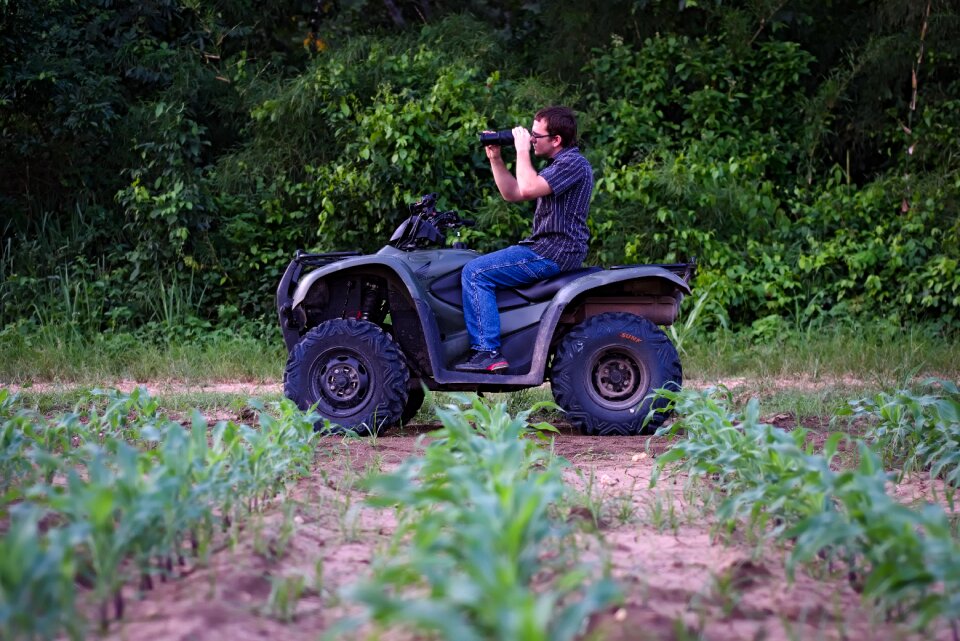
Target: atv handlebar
<point>450,220</point>
<point>426,225</point>
<point>426,209</point>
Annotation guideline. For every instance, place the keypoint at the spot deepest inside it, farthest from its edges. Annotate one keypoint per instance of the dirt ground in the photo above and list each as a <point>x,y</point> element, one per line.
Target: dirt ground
<point>261,388</point>
<point>679,580</point>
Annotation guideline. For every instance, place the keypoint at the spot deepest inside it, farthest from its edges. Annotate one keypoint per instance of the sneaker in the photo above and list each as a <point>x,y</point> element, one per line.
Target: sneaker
<point>483,362</point>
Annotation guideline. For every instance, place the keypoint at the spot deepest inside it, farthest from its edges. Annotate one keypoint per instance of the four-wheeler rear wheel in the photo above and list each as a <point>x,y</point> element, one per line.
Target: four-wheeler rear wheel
<point>353,371</point>
<point>605,370</point>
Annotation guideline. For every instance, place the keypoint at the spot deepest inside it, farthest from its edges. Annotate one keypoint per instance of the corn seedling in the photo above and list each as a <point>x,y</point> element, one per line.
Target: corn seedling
<point>916,432</point>
<point>285,593</point>
<point>130,495</point>
<point>477,553</point>
<point>318,583</point>
<point>765,479</point>
<point>680,331</point>
<point>625,508</point>
<point>660,511</point>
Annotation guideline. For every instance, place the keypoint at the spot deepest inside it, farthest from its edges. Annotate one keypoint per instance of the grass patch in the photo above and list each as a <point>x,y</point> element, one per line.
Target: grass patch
<point>176,404</point>
<point>810,372</point>
<point>873,354</point>
<point>801,402</point>
<point>63,355</point>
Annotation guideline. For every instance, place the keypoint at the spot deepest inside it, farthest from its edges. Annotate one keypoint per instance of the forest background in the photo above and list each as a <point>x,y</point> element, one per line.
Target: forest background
<point>162,160</point>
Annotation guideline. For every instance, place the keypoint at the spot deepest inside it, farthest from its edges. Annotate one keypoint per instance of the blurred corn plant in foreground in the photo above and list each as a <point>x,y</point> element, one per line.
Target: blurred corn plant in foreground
<point>480,551</point>
<point>115,492</point>
<point>774,483</point>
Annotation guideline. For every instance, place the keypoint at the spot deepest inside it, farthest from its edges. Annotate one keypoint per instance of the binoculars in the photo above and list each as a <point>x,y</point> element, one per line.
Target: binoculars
<point>498,138</point>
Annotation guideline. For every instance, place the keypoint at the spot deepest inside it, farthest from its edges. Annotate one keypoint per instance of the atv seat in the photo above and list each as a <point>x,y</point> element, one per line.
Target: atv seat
<point>545,289</point>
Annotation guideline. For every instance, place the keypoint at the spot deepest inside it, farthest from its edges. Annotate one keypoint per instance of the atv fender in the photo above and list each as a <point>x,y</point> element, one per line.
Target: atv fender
<point>292,292</point>
<point>649,291</point>
<point>373,260</point>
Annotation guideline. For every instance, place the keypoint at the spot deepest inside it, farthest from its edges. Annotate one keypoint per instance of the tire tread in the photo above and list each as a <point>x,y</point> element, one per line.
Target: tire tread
<point>391,365</point>
<point>567,365</point>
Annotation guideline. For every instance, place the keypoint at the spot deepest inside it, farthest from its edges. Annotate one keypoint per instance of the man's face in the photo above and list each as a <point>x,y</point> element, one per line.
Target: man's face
<point>543,143</point>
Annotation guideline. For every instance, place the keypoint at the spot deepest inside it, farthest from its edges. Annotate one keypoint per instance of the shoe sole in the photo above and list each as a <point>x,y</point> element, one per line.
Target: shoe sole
<point>495,367</point>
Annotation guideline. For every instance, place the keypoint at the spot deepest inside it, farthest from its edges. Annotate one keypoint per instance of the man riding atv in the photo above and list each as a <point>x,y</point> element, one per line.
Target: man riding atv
<point>560,235</point>
<point>367,334</point>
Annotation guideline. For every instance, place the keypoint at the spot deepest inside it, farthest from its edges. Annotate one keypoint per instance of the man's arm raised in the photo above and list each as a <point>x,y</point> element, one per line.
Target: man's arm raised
<point>530,186</point>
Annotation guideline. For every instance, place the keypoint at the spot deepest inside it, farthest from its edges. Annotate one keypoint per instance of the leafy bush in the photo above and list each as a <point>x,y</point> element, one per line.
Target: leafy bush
<point>166,147</point>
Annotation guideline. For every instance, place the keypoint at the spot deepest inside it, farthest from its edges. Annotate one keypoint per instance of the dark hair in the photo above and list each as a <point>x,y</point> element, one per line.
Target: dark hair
<point>560,122</point>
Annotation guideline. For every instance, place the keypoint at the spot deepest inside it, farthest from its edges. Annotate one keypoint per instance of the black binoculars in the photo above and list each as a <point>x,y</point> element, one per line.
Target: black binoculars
<point>498,138</point>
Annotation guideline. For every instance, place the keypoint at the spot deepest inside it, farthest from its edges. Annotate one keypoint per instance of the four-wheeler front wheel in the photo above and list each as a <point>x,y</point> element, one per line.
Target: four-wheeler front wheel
<point>353,371</point>
<point>415,396</point>
<point>605,370</point>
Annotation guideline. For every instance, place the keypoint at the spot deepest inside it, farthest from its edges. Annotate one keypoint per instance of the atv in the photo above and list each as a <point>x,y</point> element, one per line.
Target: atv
<point>366,334</point>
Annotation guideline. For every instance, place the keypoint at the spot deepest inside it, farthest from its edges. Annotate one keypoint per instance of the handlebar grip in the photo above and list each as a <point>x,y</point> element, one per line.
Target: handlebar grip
<point>466,222</point>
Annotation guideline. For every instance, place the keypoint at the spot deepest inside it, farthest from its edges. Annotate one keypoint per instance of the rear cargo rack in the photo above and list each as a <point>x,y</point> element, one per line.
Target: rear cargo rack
<point>316,260</point>
<point>685,270</point>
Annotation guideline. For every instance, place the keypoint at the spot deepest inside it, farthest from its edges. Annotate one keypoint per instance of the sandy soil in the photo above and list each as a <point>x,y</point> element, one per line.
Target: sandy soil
<point>680,581</point>
<point>255,388</point>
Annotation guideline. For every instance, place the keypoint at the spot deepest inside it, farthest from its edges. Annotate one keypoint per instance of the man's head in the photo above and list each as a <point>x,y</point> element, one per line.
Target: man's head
<point>556,122</point>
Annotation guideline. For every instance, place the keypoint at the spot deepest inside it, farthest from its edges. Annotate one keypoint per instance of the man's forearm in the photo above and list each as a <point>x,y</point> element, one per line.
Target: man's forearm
<point>530,184</point>
<point>506,183</point>
<point>526,176</point>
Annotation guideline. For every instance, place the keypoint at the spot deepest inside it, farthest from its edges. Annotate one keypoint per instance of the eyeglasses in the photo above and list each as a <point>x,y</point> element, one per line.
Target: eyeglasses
<point>535,136</point>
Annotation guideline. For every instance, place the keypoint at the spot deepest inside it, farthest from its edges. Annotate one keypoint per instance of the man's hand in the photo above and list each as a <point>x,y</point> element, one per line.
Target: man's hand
<point>529,184</point>
<point>493,151</point>
<point>521,139</point>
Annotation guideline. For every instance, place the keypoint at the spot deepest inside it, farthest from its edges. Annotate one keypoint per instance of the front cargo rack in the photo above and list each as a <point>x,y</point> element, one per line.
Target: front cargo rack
<point>317,260</point>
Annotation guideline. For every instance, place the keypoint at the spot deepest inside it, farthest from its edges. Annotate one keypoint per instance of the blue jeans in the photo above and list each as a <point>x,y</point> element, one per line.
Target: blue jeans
<point>510,267</point>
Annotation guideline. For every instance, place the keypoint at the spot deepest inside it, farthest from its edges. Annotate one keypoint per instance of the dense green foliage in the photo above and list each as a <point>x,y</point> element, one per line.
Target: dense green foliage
<point>162,160</point>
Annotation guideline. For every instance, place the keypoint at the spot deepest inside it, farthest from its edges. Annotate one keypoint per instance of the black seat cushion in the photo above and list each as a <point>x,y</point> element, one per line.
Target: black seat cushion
<point>545,289</point>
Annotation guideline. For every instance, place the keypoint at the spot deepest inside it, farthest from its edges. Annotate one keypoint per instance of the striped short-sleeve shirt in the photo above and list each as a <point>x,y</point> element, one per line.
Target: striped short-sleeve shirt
<point>560,229</point>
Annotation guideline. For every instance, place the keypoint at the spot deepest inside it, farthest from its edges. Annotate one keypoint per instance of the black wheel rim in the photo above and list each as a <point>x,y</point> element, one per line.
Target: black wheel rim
<point>618,380</point>
<point>341,381</point>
